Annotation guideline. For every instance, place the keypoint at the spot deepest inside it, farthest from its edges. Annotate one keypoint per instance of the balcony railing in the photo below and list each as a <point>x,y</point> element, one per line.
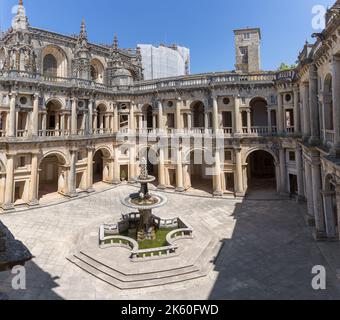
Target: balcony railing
<point>2,133</point>
<point>22,133</point>
<point>329,136</point>
<point>200,80</point>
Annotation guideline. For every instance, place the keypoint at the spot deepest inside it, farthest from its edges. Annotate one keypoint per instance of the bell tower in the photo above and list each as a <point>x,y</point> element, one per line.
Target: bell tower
<point>247,44</point>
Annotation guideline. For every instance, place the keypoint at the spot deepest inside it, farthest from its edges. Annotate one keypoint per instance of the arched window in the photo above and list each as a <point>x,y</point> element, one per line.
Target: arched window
<point>50,66</point>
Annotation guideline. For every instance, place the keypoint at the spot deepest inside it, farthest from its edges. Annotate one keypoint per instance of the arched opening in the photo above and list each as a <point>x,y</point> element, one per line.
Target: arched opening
<point>259,115</point>
<point>97,71</point>
<point>261,172</point>
<point>328,103</point>
<point>54,62</point>
<point>197,111</point>
<point>101,166</point>
<point>52,177</point>
<point>149,117</point>
<point>53,117</point>
<point>196,176</point>
<point>101,118</point>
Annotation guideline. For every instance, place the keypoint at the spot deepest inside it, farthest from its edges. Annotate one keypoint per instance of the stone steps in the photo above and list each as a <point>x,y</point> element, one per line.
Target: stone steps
<point>135,284</point>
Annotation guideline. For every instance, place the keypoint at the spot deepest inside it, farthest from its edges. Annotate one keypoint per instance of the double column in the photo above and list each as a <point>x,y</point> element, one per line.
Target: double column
<point>237,117</point>
<point>179,170</point>
<point>280,120</point>
<point>215,117</point>
<point>178,120</point>
<point>132,123</point>
<point>296,110</point>
<point>283,172</point>
<point>313,105</point>
<point>160,116</point>
<point>8,201</point>
<point>74,117</point>
<point>33,191</point>
<point>12,115</point>
<point>306,111</point>
<point>90,116</point>
<point>161,168</point>
<point>328,197</point>
<point>73,173</point>
<point>299,169</point>
<point>35,116</point>
<point>317,201</point>
<point>239,173</point>
<point>89,183</point>
<point>217,174</point>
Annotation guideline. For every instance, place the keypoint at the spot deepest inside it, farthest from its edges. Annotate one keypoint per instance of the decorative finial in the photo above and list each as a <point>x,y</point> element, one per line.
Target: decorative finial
<point>83,28</point>
<point>115,42</point>
<point>21,3</point>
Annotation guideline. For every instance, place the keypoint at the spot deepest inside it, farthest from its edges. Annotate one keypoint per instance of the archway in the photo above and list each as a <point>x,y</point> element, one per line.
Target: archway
<point>261,172</point>
<point>52,176</point>
<point>97,71</point>
<point>101,166</point>
<point>259,115</point>
<point>196,175</point>
<point>148,116</point>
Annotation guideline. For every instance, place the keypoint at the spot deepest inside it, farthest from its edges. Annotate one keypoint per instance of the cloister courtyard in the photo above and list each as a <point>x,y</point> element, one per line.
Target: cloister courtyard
<point>267,250</point>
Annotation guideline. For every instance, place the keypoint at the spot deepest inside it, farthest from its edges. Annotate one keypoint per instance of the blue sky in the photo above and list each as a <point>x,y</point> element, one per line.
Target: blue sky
<point>205,26</point>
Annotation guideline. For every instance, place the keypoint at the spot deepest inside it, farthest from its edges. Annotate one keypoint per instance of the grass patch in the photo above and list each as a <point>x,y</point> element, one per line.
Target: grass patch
<point>159,242</point>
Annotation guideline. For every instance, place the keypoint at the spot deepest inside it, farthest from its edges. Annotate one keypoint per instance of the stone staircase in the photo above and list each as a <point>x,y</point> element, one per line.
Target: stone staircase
<point>194,260</point>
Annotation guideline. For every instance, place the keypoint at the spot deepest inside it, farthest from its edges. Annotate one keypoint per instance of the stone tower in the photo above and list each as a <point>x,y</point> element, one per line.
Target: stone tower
<point>247,43</point>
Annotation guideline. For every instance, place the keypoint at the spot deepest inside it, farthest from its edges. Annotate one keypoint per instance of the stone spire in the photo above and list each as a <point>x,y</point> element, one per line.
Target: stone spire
<point>83,32</point>
<point>20,21</point>
<point>115,42</point>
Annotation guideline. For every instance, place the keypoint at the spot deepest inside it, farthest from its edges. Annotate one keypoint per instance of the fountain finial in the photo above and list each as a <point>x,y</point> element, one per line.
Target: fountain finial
<point>144,175</point>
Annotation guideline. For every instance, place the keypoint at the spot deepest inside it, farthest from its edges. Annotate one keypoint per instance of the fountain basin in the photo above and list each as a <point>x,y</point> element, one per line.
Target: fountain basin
<point>135,202</point>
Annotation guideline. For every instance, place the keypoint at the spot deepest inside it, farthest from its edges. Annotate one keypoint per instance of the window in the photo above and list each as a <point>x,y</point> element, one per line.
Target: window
<point>22,162</point>
<point>171,120</point>
<point>246,36</point>
<point>94,73</point>
<point>170,104</point>
<point>292,156</point>
<point>243,100</point>
<point>244,50</point>
<point>50,66</point>
<point>227,155</point>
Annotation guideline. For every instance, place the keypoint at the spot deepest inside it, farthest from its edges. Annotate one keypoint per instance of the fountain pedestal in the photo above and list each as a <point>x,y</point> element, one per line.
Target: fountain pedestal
<point>145,202</point>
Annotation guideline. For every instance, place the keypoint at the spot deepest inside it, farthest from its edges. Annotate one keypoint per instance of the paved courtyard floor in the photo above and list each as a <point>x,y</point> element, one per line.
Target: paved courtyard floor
<point>268,250</point>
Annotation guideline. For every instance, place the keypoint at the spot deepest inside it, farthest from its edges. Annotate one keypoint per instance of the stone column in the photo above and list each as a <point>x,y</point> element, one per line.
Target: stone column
<point>9,189</point>
<point>239,174</point>
<point>280,124</point>
<point>132,163</point>
<point>74,115</point>
<point>317,202</point>
<point>306,111</point>
<point>62,119</point>
<point>329,214</point>
<point>237,117</point>
<point>249,121</point>
<point>296,111</point>
<point>216,125</point>
<point>309,189</point>
<point>178,124</point>
<point>336,104</point>
<point>35,116</point>
<point>90,170</point>
<point>217,175</point>
<point>313,104</point>
<point>115,118</point>
<point>189,121</point>
<point>12,115</point>
<point>283,177</point>
<point>160,116</point>
<point>270,126</point>
<point>73,174</point>
<point>90,117</point>
<point>161,169</point>
<point>116,167</point>
<point>44,123</point>
<point>132,117</point>
<point>206,120</point>
<point>299,170</point>
<point>33,191</point>
<point>154,122</point>
<point>179,171</point>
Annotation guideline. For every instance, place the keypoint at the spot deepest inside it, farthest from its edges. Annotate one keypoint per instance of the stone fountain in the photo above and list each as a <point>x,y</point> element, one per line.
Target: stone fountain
<point>145,202</point>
